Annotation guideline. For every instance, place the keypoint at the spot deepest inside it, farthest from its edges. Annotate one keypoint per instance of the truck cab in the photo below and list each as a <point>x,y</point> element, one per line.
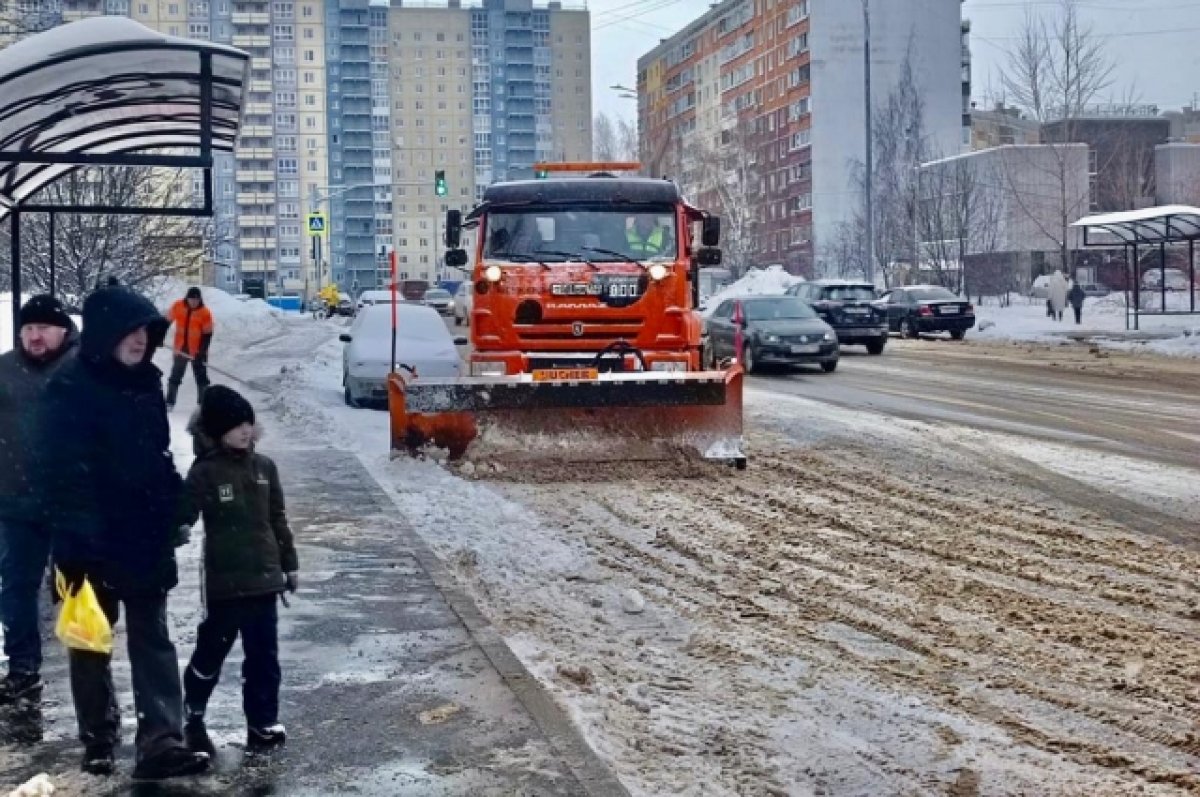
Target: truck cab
<point>594,274</point>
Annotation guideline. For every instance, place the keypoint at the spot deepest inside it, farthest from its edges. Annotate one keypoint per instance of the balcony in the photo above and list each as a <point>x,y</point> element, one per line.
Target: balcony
<point>260,64</point>
<point>241,40</point>
<point>248,176</point>
<point>261,86</point>
<point>257,153</point>
<point>257,131</point>
<point>250,198</point>
<point>254,243</point>
<point>259,108</point>
<point>251,19</point>
<point>252,222</point>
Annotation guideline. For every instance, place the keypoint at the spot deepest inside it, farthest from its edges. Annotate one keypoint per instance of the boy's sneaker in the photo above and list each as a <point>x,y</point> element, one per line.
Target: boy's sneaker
<point>264,740</point>
<point>98,760</point>
<point>195,735</point>
<point>19,686</point>
<point>174,762</point>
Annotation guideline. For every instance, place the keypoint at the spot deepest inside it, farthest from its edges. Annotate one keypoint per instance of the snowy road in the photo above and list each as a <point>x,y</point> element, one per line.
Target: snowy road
<point>992,590</point>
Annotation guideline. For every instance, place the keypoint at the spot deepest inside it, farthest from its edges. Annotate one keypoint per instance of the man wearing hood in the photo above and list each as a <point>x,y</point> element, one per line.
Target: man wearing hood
<point>193,334</point>
<point>48,339</point>
<point>111,492</point>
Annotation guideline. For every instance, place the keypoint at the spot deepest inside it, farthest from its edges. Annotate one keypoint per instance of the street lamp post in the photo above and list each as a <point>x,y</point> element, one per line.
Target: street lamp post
<point>869,177</point>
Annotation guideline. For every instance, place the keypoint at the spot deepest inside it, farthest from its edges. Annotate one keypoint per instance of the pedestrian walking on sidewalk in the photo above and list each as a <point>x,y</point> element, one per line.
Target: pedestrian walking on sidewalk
<point>193,334</point>
<point>1076,297</point>
<point>48,340</point>
<point>111,495</point>
<point>249,560</point>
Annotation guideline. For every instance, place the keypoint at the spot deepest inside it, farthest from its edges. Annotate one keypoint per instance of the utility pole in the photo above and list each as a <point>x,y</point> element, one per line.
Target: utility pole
<point>868,179</point>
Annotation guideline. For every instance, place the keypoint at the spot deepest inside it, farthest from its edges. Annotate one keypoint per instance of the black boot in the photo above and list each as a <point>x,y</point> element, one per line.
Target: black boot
<point>98,760</point>
<point>195,735</point>
<point>174,762</point>
<point>264,740</point>
<point>20,686</point>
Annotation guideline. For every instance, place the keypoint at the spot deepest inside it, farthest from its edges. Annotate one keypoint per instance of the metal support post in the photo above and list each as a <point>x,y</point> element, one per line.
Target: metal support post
<point>15,261</point>
<point>50,243</point>
<point>868,178</point>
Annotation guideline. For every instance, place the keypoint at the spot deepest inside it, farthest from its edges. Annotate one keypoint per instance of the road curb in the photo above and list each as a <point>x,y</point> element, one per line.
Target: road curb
<point>589,770</point>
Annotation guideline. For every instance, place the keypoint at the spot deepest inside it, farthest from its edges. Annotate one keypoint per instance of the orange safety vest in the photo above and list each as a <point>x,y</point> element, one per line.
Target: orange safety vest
<point>190,326</point>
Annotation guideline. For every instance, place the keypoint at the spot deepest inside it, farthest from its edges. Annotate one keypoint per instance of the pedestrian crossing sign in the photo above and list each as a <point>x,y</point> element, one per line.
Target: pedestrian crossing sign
<point>316,224</point>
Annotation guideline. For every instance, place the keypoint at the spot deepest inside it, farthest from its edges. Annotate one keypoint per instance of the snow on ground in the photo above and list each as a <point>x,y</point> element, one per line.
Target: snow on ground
<point>755,282</point>
<point>1103,323</point>
<point>820,626</point>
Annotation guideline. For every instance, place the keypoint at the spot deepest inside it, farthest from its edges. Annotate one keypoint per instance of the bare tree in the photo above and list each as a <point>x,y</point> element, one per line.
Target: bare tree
<point>727,175</point>
<point>844,255</point>
<point>1056,68</point>
<point>89,248</point>
<point>627,140</point>
<point>604,138</point>
<point>20,18</point>
<point>958,219</point>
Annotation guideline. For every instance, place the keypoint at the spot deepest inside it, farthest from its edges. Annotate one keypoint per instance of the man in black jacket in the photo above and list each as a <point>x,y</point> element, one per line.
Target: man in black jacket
<point>48,339</point>
<point>111,493</point>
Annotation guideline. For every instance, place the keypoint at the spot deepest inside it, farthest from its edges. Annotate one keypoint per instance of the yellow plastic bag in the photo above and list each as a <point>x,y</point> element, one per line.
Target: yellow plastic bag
<point>82,624</point>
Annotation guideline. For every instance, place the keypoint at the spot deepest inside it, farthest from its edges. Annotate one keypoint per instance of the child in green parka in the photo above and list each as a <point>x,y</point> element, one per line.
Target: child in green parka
<point>249,560</point>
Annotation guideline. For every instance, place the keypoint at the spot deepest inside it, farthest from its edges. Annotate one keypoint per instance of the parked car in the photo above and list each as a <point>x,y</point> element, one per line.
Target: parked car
<point>422,342</point>
<point>1176,280</point>
<point>1096,289</point>
<point>1040,289</point>
<point>919,309</point>
<point>439,299</point>
<point>847,306</point>
<point>369,298</point>
<point>781,330</point>
<point>464,301</point>
<point>345,305</point>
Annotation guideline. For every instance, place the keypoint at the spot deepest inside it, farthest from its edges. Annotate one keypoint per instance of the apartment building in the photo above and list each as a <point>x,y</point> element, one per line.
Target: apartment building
<point>480,93</point>
<point>759,104</point>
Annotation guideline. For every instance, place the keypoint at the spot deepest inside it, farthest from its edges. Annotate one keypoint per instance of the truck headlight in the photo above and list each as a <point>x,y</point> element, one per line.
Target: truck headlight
<point>492,273</point>
<point>488,368</point>
<point>657,272</point>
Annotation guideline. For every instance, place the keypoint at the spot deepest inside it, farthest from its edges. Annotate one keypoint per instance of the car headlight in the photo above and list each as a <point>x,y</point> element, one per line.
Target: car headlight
<point>657,271</point>
<point>830,337</point>
<point>771,338</point>
<point>492,368</point>
<point>492,273</point>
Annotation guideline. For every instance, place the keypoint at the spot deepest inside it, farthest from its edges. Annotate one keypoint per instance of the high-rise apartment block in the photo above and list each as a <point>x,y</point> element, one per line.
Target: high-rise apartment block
<point>759,104</point>
<point>355,105</point>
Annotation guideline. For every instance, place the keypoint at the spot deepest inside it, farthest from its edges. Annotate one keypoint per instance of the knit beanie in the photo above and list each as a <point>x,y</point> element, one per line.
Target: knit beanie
<point>44,309</point>
<point>193,293</point>
<point>223,409</point>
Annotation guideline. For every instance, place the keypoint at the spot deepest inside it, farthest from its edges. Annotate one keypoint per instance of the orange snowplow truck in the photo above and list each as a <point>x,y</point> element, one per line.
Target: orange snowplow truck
<point>583,319</point>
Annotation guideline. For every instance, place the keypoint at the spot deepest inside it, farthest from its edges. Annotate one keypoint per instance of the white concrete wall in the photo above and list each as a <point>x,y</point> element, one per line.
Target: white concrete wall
<point>934,29</point>
<point>1177,174</point>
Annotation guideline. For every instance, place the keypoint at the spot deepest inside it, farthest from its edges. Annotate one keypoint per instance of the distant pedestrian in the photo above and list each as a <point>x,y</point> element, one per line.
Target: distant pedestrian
<point>48,340</point>
<point>1058,294</point>
<point>193,335</point>
<point>249,560</point>
<point>111,493</point>
<point>1076,297</point>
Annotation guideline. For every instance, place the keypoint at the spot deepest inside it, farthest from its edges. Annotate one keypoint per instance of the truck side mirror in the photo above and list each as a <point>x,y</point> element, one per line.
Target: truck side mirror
<point>710,231</point>
<point>456,258</point>
<point>709,256</point>
<point>453,228</point>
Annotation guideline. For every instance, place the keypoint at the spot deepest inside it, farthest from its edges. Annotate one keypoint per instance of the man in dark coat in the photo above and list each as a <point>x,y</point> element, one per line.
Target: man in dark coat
<point>111,493</point>
<point>1076,296</point>
<point>48,339</point>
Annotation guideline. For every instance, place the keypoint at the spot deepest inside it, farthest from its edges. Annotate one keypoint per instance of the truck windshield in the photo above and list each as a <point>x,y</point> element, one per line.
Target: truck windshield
<point>561,236</point>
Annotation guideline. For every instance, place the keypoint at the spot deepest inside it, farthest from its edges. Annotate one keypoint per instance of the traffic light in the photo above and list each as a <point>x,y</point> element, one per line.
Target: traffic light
<point>439,183</point>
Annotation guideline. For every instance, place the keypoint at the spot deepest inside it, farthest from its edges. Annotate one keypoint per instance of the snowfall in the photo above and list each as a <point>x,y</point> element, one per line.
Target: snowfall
<point>656,609</point>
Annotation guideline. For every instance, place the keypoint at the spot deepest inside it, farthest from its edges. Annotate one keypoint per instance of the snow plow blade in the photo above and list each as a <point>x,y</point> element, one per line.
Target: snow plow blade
<point>699,412</point>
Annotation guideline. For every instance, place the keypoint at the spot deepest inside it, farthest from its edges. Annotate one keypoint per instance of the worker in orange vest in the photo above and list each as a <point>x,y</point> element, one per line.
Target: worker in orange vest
<point>193,333</point>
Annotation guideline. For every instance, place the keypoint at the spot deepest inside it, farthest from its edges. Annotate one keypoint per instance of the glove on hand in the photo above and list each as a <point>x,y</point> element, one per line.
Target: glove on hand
<point>293,581</point>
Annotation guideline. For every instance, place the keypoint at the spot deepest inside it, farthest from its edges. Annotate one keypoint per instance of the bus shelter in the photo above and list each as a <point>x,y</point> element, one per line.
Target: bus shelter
<point>108,91</point>
<point>1160,290</point>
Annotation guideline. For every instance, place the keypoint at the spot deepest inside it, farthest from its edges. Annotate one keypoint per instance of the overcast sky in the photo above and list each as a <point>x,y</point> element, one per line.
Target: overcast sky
<point>1155,43</point>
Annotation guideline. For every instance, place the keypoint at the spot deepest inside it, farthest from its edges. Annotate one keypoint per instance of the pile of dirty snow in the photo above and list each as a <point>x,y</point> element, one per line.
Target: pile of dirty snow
<point>772,280</point>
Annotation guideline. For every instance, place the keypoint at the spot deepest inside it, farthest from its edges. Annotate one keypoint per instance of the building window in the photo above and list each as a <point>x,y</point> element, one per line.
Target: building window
<point>284,33</point>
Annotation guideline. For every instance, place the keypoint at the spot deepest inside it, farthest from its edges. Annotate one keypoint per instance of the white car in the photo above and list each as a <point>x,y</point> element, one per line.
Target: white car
<point>368,298</point>
<point>422,343</point>
<point>439,299</point>
<point>464,301</point>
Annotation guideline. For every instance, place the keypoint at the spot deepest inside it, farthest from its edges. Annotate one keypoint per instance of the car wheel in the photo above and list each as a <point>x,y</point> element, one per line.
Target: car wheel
<point>958,334</point>
<point>749,360</point>
<point>908,329</point>
<point>876,347</point>
<point>829,367</point>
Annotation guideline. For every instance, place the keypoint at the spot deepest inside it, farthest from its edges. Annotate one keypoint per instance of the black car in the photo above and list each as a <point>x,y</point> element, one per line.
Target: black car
<point>918,309</point>
<point>847,307</point>
<point>780,330</point>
